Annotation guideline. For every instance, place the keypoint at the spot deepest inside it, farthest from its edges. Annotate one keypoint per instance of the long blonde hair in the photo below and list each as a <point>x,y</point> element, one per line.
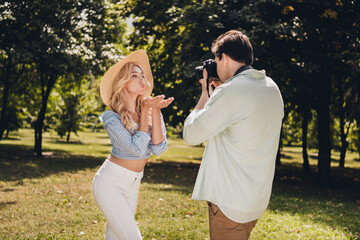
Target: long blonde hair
<point>118,99</point>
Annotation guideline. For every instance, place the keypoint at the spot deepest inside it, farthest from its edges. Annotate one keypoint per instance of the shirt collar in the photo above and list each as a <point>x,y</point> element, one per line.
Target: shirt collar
<point>241,69</point>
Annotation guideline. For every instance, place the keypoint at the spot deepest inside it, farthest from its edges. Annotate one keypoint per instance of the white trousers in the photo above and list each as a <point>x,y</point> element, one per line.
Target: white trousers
<point>116,191</point>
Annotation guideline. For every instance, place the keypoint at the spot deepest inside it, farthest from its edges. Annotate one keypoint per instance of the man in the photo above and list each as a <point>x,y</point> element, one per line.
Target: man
<point>241,123</point>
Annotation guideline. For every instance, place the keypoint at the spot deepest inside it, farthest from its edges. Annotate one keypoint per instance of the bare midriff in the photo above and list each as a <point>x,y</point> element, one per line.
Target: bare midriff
<point>132,165</point>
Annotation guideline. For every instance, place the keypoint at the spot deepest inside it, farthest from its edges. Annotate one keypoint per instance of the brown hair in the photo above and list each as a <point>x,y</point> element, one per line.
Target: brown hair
<point>236,45</point>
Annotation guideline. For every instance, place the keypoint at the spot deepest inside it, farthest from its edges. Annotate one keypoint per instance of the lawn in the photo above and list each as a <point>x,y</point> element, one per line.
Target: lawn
<point>51,197</point>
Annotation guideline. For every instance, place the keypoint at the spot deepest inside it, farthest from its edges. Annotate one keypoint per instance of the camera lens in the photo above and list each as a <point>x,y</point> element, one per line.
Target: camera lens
<point>210,66</point>
<point>199,72</point>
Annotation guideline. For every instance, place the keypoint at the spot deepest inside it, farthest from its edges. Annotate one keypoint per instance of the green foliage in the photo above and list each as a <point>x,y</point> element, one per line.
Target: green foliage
<point>313,142</point>
<point>292,131</point>
<point>303,45</point>
<point>91,104</point>
<point>177,37</point>
<point>74,105</point>
<point>14,120</point>
<point>52,40</point>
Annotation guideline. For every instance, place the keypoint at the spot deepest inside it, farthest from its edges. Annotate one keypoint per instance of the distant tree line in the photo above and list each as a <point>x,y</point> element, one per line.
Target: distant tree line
<point>52,55</point>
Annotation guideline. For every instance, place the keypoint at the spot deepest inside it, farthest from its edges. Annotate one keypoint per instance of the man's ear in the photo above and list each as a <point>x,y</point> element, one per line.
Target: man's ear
<point>225,57</point>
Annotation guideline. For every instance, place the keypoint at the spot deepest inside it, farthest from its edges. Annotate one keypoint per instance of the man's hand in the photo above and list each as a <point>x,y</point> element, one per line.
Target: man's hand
<point>214,83</point>
<point>203,81</point>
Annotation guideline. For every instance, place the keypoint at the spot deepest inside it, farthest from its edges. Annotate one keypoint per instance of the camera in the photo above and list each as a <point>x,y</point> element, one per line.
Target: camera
<point>210,66</point>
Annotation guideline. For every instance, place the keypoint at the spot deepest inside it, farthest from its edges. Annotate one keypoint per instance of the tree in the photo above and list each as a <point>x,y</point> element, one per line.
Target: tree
<point>13,119</point>
<point>177,36</point>
<point>290,38</point>
<point>67,94</point>
<point>64,37</point>
<point>13,55</point>
<point>69,117</point>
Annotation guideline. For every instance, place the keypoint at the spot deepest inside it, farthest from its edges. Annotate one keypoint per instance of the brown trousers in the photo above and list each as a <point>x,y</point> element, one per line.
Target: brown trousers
<point>223,228</point>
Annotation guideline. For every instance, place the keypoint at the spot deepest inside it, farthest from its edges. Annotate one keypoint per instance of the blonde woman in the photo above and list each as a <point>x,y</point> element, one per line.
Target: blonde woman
<point>136,129</point>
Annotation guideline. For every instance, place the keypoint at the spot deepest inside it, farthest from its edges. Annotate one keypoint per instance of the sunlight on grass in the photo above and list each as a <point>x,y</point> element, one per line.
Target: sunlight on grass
<point>51,197</point>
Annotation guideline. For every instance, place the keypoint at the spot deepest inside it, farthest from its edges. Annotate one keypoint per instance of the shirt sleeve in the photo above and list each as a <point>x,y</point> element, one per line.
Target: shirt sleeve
<point>160,148</point>
<point>203,124</point>
<point>134,144</point>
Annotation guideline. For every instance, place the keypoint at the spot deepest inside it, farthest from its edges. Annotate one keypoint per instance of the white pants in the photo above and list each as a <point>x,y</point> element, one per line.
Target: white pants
<point>116,191</point>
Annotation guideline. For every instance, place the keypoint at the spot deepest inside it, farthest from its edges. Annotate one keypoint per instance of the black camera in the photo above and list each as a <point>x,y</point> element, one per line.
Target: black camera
<point>210,66</point>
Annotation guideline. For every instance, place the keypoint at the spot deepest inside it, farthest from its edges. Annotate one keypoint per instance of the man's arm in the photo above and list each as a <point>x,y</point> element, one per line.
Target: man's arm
<point>210,116</point>
<point>204,98</point>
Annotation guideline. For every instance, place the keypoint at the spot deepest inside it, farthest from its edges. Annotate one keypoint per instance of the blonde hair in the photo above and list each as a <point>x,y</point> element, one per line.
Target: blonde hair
<point>118,100</point>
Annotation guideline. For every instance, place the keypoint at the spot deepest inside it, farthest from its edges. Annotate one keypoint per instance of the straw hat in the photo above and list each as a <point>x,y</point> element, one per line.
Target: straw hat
<point>139,57</point>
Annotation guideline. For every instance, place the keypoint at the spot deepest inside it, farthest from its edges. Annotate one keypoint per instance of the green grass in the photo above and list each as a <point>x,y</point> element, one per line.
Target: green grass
<point>51,197</point>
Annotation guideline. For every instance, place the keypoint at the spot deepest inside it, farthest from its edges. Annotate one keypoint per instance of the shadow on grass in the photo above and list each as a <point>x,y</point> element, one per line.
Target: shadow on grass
<point>294,191</point>
<point>4,204</point>
<point>102,137</point>
<point>312,156</point>
<point>285,156</point>
<point>180,174</point>
<point>297,193</point>
<point>18,162</point>
<point>12,138</point>
<point>64,142</point>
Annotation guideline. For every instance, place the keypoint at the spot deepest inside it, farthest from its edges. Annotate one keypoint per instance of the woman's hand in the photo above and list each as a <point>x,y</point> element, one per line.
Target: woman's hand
<point>158,103</point>
<point>150,102</point>
<point>162,102</point>
<point>146,105</point>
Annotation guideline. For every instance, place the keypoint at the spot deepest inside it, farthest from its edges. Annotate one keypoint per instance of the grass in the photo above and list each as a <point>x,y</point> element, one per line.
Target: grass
<point>51,197</point>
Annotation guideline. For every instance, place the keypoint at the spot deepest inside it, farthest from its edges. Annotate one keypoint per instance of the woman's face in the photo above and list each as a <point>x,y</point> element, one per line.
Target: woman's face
<point>136,84</point>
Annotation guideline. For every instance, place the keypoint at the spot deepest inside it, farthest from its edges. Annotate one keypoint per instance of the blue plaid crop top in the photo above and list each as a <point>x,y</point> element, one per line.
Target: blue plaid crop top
<point>127,146</point>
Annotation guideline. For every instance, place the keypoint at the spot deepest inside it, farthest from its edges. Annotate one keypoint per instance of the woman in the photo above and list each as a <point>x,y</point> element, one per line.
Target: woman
<point>136,129</point>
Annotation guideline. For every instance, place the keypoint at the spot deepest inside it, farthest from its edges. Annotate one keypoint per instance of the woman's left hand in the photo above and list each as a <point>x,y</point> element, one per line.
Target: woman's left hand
<point>162,103</point>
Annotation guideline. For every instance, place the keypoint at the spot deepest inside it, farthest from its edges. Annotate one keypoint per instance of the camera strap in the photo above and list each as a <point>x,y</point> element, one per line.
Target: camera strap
<point>243,68</point>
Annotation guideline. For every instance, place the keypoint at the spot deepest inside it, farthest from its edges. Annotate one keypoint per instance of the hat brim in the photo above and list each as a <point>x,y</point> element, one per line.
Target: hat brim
<point>139,57</point>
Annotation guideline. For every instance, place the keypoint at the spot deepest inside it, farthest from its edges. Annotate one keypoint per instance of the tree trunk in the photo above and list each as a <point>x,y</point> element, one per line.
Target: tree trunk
<point>305,123</point>
<point>40,119</point>
<point>278,155</point>
<point>5,97</point>
<point>324,159</point>
<point>38,129</point>
<point>3,120</point>
<point>342,125</point>
<point>343,147</point>
<point>68,137</point>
